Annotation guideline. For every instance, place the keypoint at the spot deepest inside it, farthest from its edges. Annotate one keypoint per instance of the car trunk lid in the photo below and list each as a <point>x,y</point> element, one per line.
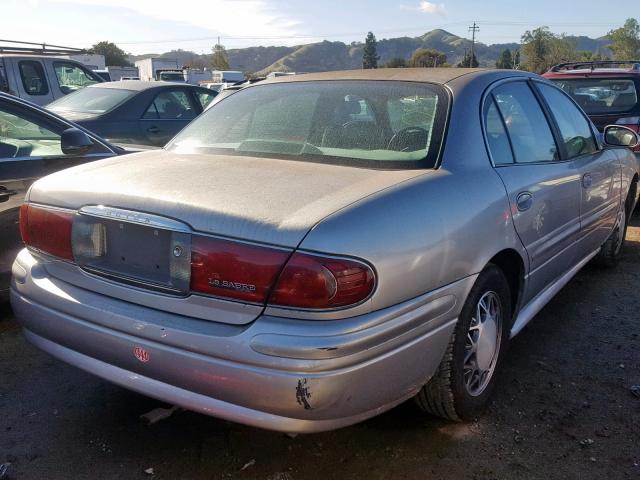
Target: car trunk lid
<point>139,214</point>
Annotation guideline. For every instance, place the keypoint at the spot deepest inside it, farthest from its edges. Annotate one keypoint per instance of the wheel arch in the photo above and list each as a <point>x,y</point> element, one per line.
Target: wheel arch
<point>512,265</point>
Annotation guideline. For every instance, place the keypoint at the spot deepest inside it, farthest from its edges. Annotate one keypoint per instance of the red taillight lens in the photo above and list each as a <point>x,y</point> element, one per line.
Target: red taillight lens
<point>47,230</point>
<point>310,281</point>
<point>234,270</point>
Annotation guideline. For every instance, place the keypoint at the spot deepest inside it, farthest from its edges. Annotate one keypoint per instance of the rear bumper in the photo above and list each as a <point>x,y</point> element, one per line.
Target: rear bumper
<point>279,374</point>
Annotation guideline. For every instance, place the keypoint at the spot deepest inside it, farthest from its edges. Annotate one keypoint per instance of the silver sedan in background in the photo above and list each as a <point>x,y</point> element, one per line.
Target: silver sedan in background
<point>314,250</point>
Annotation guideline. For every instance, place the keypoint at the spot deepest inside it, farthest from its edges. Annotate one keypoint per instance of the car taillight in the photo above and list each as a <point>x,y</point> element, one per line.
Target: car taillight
<point>310,281</point>
<point>234,270</point>
<point>47,230</point>
<point>258,274</point>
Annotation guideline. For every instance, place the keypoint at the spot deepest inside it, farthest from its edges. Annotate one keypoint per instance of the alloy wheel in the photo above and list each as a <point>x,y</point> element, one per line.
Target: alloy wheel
<point>482,345</point>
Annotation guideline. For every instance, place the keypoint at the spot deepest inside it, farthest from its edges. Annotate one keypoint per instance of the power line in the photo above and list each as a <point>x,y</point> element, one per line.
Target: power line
<point>361,33</point>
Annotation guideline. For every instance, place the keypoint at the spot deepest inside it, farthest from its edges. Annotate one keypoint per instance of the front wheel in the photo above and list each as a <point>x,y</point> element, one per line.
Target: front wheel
<point>462,385</point>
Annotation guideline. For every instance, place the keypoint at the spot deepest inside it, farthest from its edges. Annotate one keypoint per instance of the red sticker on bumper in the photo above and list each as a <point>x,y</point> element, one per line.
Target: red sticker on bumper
<point>141,354</point>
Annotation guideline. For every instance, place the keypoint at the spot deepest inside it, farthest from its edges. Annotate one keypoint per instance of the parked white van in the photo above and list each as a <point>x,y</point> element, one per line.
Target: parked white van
<point>43,79</point>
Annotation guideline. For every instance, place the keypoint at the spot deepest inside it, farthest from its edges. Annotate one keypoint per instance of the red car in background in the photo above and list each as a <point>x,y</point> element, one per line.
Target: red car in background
<point>608,91</point>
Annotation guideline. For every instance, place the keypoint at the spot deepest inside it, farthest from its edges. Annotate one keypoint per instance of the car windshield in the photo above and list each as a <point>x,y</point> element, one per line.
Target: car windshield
<point>601,95</point>
<point>91,100</point>
<point>385,124</point>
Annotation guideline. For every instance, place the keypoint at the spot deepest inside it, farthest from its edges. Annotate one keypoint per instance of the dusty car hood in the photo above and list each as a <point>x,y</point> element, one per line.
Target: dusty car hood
<point>260,199</point>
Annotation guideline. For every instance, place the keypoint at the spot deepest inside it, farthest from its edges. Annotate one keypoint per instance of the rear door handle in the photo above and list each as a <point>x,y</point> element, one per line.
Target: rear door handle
<point>5,193</point>
<point>153,129</point>
<point>524,201</point>
<point>587,180</point>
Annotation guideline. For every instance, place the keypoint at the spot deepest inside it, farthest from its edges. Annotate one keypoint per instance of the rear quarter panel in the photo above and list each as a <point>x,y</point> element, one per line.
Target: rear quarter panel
<point>432,230</point>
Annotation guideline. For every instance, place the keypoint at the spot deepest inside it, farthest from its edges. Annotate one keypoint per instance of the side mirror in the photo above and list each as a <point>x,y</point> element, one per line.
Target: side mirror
<point>619,136</point>
<point>75,142</point>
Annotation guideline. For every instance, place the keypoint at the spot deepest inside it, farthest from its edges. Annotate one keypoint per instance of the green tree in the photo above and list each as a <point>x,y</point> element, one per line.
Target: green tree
<point>219,60</point>
<point>396,62</point>
<point>542,49</point>
<point>536,47</point>
<point>589,56</point>
<point>467,62</point>
<point>427,57</point>
<point>505,60</point>
<point>516,60</point>
<point>370,53</point>
<point>625,41</point>
<point>114,56</point>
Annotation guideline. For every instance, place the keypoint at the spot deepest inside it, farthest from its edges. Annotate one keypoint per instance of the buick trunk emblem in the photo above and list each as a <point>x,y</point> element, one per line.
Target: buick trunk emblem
<point>177,251</point>
<point>141,354</point>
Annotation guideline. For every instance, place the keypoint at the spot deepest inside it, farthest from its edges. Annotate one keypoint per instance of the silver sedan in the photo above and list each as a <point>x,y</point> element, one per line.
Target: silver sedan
<point>316,249</point>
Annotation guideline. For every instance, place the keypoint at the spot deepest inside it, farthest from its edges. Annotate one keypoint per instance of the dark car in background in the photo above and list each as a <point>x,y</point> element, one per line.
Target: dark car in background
<point>34,143</point>
<point>608,91</point>
<point>133,111</point>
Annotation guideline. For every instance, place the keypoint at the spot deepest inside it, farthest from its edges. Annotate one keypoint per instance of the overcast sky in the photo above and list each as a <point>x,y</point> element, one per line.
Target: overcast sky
<point>145,26</point>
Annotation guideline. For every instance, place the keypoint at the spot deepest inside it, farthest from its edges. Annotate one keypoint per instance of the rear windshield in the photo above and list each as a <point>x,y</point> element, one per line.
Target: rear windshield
<point>91,100</point>
<point>384,124</point>
<point>601,95</point>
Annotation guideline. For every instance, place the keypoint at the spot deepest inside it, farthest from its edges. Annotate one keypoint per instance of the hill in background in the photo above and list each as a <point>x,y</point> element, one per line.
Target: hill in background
<point>324,56</point>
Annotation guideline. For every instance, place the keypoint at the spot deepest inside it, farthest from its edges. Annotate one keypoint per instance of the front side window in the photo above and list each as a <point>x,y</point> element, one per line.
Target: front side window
<point>528,129</point>
<point>21,136</point>
<point>576,132</point>
<point>601,96</point>
<point>72,77</point>
<point>205,98</point>
<point>33,78</point>
<point>386,124</point>
<point>171,105</point>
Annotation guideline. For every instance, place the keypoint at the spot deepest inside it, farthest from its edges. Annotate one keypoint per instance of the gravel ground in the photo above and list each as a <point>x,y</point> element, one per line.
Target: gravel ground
<point>563,408</point>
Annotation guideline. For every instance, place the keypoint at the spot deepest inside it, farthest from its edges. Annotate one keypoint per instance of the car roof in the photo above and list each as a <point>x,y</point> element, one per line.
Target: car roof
<point>603,68</point>
<point>140,85</point>
<point>430,75</point>
<point>601,72</point>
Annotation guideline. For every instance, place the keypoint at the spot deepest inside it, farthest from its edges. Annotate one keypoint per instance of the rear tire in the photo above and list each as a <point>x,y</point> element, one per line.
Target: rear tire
<point>461,387</point>
<point>611,250</point>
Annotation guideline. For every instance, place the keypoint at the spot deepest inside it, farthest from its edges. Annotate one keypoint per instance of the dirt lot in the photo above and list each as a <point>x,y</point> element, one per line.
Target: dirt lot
<point>563,409</point>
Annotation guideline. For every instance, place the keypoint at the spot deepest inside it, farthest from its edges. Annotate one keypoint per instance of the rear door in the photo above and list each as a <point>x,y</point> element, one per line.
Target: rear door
<point>168,113</point>
<point>29,149</point>
<point>599,168</point>
<point>544,191</point>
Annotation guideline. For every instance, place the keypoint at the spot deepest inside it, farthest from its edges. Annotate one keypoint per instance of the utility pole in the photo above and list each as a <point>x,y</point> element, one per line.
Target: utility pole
<point>473,29</point>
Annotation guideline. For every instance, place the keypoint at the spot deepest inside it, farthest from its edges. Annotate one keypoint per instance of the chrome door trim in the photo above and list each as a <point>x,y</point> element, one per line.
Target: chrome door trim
<point>527,313</point>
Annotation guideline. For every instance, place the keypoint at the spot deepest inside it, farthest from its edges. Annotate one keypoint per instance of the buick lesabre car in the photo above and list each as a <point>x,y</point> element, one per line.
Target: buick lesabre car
<point>314,250</point>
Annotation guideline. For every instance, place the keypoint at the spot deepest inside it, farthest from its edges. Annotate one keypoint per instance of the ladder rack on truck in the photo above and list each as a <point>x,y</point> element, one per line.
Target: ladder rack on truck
<point>32,48</point>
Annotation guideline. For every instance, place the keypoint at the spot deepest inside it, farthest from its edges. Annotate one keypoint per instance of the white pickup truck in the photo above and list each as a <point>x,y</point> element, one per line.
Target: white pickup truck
<point>42,79</point>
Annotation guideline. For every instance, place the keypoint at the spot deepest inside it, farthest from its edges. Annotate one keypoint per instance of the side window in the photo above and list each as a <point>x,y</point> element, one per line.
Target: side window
<point>72,77</point>
<point>33,78</point>
<point>22,137</point>
<point>528,129</point>
<point>171,105</point>
<point>205,98</point>
<point>574,128</point>
<point>496,135</point>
